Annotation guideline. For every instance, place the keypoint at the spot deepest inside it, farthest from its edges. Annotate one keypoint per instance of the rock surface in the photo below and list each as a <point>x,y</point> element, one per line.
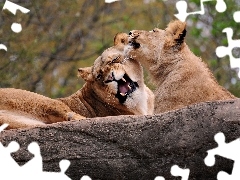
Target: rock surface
<point>135,147</point>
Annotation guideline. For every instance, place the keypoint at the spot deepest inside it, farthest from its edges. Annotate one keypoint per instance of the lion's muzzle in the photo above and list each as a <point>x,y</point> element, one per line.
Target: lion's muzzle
<point>125,86</point>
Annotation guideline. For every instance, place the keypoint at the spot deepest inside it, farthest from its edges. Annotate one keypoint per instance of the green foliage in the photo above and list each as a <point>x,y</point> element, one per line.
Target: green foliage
<point>209,36</point>
<point>60,36</point>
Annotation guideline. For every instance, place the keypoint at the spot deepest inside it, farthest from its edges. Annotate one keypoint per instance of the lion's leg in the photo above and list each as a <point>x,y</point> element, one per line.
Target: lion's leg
<point>72,116</point>
<point>16,120</point>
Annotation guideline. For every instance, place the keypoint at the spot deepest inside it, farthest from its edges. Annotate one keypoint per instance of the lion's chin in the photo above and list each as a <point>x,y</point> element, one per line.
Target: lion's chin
<point>125,88</point>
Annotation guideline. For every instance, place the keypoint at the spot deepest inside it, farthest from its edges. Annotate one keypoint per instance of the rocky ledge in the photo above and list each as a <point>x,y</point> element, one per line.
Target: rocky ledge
<point>135,147</point>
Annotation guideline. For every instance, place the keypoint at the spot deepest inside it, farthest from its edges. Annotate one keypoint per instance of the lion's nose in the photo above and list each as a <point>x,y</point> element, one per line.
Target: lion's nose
<point>110,78</point>
<point>134,34</point>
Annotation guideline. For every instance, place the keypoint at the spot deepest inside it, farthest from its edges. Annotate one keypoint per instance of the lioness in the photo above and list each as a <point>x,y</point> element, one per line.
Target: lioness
<point>114,86</point>
<point>20,108</point>
<point>181,77</point>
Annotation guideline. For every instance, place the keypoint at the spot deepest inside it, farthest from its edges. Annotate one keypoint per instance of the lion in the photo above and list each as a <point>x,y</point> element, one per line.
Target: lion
<point>114,86</point>
<point>180,77</point>
<point>111,88</point>
<point>21,108</point>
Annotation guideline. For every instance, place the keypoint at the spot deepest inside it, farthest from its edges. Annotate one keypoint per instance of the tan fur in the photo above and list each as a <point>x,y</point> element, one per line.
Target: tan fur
<point>105,102</point>
<point>181,77</point>
<point>120,39</point>
<point>20,108</point>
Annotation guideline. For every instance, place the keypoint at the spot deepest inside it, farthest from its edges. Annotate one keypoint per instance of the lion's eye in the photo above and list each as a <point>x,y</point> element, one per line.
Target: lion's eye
<point>99,76</point>
<point>154,30</point>
<point>116,60</point>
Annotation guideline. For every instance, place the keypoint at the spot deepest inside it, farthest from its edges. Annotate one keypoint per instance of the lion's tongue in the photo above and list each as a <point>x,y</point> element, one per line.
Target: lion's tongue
<point>123,87</point>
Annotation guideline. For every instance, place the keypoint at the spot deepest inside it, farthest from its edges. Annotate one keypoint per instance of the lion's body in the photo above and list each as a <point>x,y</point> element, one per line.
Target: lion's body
<point>88,103</point>
<point>106,76</point>
<point>20,108</point>
<point>189,82</point>
<point>181,78</point>
<point>103,94</point>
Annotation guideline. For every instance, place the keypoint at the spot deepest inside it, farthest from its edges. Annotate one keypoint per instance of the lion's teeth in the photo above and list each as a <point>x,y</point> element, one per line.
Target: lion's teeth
<point>122,94</point>
<point>124,79</point>
<point>129,87</point>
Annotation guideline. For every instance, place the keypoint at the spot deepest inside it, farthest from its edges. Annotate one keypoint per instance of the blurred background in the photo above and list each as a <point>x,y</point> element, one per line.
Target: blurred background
<point>60,36</point>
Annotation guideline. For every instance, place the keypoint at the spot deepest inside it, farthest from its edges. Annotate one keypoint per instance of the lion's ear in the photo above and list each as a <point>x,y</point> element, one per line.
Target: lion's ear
<point>120,39</point>
<point>175,34</point>
<point>85,73</point>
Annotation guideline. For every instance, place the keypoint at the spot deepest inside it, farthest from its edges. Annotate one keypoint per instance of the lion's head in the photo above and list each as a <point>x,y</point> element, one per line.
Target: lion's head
<point>118,81</point>
<point>180,77</point>
<point>153,47</point>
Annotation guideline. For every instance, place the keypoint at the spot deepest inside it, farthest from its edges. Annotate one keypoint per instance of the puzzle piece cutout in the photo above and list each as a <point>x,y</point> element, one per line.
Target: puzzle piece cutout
<point>236,16</point>
<point>177,171</point>
<point>3,126</point>
<point>6,161</point>
<point>32,169</point>
<point>222,51</point>
<point>10,169</point>
<point>159,178</point>
<point>111,1</point>
<point>85,177</point>
<point>181,6</point>
<point>2,46</point>
<point>12,7</point>
<point>16,27</point>
<point>226,150</point>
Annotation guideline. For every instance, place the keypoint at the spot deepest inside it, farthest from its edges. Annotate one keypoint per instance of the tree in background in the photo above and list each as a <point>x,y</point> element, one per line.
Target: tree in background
<point>60,36</point>
<point>205,35</point>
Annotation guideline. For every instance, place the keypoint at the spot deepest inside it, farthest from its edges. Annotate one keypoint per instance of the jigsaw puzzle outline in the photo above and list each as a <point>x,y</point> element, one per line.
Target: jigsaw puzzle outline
<point>177,171</point>
<point>16,27</point>
<point>181,6</point>
<point>221,51</point>
<point>33,168</point>
<point>227,150</point>
<point>111,1</point>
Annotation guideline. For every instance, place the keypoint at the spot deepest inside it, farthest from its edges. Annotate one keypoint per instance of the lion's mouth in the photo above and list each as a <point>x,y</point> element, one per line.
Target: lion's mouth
<point>125,87</point>
<point>132,40</point>
<point>134,44</point>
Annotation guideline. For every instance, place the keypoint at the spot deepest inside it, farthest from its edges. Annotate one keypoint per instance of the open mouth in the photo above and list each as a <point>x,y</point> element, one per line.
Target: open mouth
<point>125,87</point>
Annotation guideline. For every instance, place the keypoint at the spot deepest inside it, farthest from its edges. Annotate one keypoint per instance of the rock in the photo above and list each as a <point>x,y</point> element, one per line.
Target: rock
<point>135,147</point>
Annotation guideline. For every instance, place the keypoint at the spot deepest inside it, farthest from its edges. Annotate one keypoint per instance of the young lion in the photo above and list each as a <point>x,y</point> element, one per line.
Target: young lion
<point>181,77</point>
<point>111,88</point>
